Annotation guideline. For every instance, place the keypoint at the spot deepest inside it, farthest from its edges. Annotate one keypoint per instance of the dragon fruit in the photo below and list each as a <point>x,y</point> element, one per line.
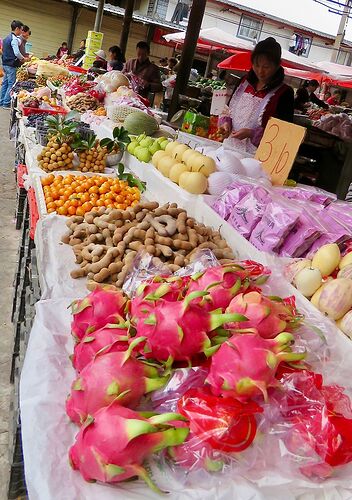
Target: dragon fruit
<point>269,317</point>
<point>168,288</point>
<point>111,376</point>
<point>225,282</point>
<point>112,446</point>
<point>245,365</point>
<point>110,338</point>
<point>178,330</point>
<point>101,307</point>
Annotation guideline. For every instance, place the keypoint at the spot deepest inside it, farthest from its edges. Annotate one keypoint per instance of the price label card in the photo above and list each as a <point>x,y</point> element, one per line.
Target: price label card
<point>278,148</point>
<point>218,102</point>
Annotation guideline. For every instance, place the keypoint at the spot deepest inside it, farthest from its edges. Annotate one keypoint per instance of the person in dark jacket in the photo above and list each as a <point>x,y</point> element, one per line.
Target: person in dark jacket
<point>116,59</point>
<point>306,95</point>
<point>144,75</point>
<point>11,60</point>
<point>260,95</point>
<point>77,56</point>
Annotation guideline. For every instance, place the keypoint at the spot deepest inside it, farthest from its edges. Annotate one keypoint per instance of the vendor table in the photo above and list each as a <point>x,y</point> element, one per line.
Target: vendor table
<point>47,372</point>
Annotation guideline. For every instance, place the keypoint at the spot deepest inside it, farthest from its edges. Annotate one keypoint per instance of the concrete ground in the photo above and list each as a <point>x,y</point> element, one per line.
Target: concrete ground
<point>8,254</point>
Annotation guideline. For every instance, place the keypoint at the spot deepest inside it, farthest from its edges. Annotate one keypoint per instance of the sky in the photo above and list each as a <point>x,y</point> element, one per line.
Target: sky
<point>305,12</point>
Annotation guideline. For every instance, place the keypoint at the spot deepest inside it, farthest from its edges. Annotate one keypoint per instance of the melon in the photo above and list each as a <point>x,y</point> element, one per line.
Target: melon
<point>193,182</point>
<point>345,272</point>
<point>138,123</point>
<point>176,171</point>
<point>336,298</point>
<point>327,258</point>
<point>307,281</point>
<point>346,260</point>
<point>345,324</point>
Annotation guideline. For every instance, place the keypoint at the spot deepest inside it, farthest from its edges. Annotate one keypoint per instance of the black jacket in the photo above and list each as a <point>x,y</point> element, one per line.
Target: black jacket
<point>302,97</point>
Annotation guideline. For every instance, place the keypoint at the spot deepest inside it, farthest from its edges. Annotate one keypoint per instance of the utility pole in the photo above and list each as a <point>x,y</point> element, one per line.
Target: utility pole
<point>127,19</point>
<point>341,31</point>
<point>189,49</point>
<point>99,15</point>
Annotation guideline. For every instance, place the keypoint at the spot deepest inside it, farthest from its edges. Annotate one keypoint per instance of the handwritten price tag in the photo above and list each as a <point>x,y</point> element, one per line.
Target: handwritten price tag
<point>278,148</point>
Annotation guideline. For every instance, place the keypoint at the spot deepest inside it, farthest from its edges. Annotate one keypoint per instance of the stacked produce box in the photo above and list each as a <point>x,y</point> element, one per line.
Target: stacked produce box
<point>94,43</point>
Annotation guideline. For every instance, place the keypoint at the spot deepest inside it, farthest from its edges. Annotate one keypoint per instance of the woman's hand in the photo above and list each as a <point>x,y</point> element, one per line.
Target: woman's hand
<point>242,133</point>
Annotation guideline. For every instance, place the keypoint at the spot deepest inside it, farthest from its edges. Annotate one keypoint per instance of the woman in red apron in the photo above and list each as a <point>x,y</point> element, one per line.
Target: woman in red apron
<point>261,94</point>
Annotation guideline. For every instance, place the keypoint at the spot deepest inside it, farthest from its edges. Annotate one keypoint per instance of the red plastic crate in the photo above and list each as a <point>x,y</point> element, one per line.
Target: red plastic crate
<point>33,212</point>
<point>58,110</point>
<point>21,171</point>
<point>77,69</point>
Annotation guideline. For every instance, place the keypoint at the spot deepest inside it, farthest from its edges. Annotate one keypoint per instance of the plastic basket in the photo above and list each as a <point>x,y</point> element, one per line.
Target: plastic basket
<point>77,69</point>
<point>21,171</point>
<point>33,212</point>
<point>58,110</point>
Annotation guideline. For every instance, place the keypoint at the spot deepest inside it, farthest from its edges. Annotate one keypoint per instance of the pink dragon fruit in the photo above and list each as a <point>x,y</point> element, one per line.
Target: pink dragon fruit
<point>245,365</point>
<point>112,446</point>
<point>110,338</point>
<point>178,330</point>
<point>168,288</point>
<point>269,317</point>
<point>222,282</point>
<point>101,307</point>
<point>111,376</point>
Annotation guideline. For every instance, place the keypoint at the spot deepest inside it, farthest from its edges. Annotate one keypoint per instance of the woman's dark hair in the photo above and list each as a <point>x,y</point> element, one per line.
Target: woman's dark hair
<point>117,53</point>
<point>173,61</point>
<point>311,83</point>
<point>64,43</point>
<point>268,48</point>
<point>25,29</point>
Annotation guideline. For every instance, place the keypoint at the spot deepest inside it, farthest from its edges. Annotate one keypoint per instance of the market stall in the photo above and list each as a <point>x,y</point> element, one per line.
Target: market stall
<point>185,236</point>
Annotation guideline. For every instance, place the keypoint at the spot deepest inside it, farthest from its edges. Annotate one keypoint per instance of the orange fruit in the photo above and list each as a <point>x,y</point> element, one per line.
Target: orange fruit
<point>80,211</point>
<point>71,210</point>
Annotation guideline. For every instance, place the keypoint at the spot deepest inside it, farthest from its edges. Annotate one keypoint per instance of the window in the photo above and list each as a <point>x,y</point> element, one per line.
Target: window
<point>249,28</point>
<point>300,44</point>
<point>342,57</point>
<point>158,8</point>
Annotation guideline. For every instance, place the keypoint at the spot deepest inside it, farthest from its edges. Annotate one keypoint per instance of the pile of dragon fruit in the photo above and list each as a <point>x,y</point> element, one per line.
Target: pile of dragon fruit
<point>199,371</point>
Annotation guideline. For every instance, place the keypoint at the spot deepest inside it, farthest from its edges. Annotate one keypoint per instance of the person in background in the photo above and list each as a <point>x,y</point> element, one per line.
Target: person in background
<point>172,62</point>
<point>116,59</point>
<point>11,60</point>
<point>306,95</point>
<point>62,51</point>
<point>145,75</point>
<point>23,39</point>
<point>100,60</point>
<point>261,94</point>
<point>163,62</point>
<point>80,52</point>
<point>0,46</point>
<point>335,99</point>
<point>327,95</point>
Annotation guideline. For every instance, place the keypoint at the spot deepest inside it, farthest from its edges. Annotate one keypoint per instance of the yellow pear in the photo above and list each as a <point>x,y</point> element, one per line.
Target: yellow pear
<point>170,147</point>
<point>165,164</point>
<point>193,182</point>
<point>176,171</point>
<point>178,151</point>
<point>157,157</point>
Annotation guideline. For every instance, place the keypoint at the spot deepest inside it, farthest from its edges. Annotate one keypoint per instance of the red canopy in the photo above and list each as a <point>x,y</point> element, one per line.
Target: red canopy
<point>241,61</point>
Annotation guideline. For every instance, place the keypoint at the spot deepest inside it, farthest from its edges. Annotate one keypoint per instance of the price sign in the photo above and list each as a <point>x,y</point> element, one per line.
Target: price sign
<point>218,102</point>
<point>278,148</point>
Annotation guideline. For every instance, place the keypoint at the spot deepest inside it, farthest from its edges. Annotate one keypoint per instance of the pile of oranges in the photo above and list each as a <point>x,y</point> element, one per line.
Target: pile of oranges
<point>78,194</point>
